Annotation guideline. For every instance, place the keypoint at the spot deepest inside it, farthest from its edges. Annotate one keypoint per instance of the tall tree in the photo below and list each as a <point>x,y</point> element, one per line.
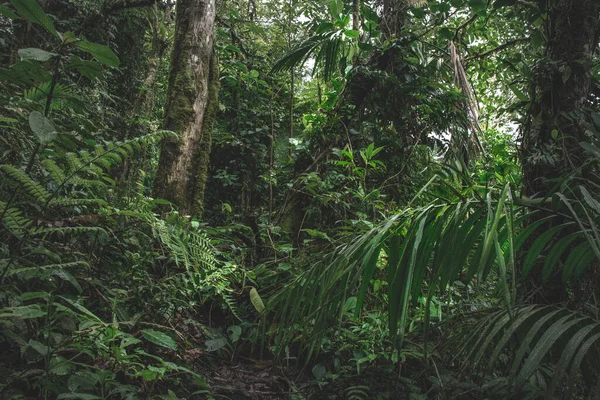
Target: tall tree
<point>190,108</point>
<point>561,88</point>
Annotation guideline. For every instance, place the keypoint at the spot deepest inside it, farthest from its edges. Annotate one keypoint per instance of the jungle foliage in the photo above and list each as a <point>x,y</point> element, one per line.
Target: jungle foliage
<point>293,199</point>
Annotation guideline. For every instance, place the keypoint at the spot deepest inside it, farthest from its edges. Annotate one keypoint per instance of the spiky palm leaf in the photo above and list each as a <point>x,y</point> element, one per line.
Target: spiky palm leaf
<point>476,235</point>
<point>327,48</point>
<point>532,335</point>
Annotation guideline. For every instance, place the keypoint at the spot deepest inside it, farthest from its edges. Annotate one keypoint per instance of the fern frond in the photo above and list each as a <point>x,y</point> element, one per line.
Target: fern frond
<point>14,221</point>
<point>54,171</point>
<point>67,202</point>
<point>359,392</point>
<point>231,304</point>
<point>31,187</point>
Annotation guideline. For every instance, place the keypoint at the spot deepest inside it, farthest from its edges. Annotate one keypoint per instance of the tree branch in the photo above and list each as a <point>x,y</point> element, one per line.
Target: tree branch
<point>463,26</point>
<point>497,49</point>
<point>127,4</point>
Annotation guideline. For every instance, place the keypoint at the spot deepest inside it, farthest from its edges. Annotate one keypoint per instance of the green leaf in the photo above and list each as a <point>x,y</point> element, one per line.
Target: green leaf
<point>159,338</point>
<point>39,347</point>
<point>31,11</point>
<point>215,344</point>
<point>41,127</point>
<point>518,92</point>
<point>319,371</point>
<point>89,69</point>
<point>257,301</point>
<point>33,295</point>
<point>23,312</point>
<point>336,7</point>
<point>351,33</point>
<point>100,52</point>
<point>61,366</point>
<point>537,247</point>
<point>7,12</point>
<point>35,54</point>
<point>235,332</point>
<point>69,37</point>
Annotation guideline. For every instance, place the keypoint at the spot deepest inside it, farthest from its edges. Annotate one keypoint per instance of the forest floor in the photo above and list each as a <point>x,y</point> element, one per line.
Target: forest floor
<point>261,380</point>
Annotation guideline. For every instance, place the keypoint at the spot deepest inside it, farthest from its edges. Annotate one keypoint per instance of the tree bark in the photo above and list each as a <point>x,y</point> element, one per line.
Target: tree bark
<point>562,85</point>
<point>551,136</point>
<point>190,108</point>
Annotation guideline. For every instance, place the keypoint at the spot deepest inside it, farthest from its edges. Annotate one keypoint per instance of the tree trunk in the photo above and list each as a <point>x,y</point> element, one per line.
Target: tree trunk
<point>190,108</point>
<point>562,85</point>
<point>145,101</point>
<point>562,82</point>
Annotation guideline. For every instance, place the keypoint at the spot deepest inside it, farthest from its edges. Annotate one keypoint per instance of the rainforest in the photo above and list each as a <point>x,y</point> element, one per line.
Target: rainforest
<point>299,199</point>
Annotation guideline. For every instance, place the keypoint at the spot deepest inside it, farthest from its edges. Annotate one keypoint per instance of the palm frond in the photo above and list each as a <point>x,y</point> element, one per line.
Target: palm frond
<point>534,335</point>
<point>426,249</point>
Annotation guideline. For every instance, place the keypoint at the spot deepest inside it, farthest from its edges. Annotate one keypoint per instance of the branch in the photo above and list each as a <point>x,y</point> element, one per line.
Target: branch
<point>126,4</point>
<point>463,26</point>
<point>497,49</point>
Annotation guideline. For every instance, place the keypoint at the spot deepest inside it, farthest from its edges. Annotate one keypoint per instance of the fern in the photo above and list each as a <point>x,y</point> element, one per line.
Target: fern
<point>32,188</point>
<point>14,221</point>
<point>360,392</point>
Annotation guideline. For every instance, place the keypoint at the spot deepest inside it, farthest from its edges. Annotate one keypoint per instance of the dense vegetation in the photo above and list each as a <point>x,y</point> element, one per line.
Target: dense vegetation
<point>342,199</point>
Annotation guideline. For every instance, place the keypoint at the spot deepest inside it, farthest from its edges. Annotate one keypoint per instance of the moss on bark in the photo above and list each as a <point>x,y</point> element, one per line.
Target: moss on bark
<point>191,97</point>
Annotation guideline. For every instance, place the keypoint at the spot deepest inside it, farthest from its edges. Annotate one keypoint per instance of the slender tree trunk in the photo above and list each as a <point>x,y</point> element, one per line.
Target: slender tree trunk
<point>190,108</point>
<point>355,26</point>
<point>289,43</point>
<point>562,87</point>
<point>145,100</point>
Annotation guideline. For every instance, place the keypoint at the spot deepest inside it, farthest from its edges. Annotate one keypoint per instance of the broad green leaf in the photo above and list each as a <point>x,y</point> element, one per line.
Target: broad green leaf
<point>35,54</point>
<point>61,366</point>
<point>89,69</point>
<point>33,295</point>
<point>257,301</point>
<point>69,37</point>
<point>351,33</point>
<point>235,332</point>
<point>23,312</point>
<point>215,344</point>
<point>100,52</point>
<point>31,11</point>
<point>319,371</point>
<point>7,12</point>
<point>159,338</point>
<point>39,347</point>
<point>41,127</point>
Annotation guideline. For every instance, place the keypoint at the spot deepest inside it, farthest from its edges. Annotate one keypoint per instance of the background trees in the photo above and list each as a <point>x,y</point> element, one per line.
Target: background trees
<point>396,196</point>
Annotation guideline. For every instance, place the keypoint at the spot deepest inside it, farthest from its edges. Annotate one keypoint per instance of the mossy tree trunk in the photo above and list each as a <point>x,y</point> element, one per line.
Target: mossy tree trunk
<point>190,108</point>
<point>560,90</point>
<point>551,136</point>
